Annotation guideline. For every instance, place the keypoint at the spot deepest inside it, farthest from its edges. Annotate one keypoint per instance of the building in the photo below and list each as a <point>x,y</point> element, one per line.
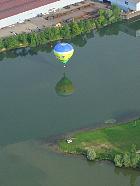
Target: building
<point>17,11</point>
<point>132,5</point>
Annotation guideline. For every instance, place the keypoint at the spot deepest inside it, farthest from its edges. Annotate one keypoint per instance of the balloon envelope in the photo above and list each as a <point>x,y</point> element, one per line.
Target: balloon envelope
<point>63,52</point>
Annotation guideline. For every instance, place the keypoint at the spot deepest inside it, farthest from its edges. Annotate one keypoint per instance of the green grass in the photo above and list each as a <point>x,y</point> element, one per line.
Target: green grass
<point>112,139</point>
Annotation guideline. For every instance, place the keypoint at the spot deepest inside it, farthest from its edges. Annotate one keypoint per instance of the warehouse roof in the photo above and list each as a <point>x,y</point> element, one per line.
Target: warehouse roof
<point>12,7</point>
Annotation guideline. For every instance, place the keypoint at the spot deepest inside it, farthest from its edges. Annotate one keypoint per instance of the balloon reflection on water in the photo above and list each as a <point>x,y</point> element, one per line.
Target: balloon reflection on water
<point>64,87</point>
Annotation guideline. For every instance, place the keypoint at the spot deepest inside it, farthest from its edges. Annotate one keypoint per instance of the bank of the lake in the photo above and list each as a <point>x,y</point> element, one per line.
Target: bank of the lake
<point>66,31</point>
<point>119,144</point>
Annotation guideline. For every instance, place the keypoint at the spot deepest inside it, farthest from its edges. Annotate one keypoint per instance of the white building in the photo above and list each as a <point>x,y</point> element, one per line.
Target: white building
<point>126,5</point>
<point>17,11</point>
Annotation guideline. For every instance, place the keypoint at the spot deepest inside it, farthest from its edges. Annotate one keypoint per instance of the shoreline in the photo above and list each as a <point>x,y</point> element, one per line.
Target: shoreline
<point>54,138</point>
<point>105,18</point>
<point>55,143</point>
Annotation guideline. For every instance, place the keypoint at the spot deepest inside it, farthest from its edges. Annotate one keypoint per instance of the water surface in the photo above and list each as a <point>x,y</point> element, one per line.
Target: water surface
<point>105,75</point>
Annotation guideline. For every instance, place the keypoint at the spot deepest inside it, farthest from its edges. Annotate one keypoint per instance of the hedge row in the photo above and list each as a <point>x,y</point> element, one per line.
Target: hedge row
<point>67,31</point>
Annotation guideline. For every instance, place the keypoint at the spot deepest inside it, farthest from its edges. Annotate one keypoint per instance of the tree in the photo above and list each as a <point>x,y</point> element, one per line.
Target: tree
<point>46,33</point>
<point>52,34</point>
<point>1,44</point>
<point>56,33</point>
<point>102,20</point>
<point>65,31</point>
<point>11,42</point>
<point>108,13</point>
<point>89,25</point>
<point>91,154</point>
<point>116,11</point>
<point>22,38</point>
<point>49,34</point>
<point>32,39</point>
<point>81,25</point>
<point>118,160</point>
<point>41,38</point>
<point>126,160</point>
<point>102,12</point>
<point>134,156</point>
<point>75,30</point>
<point>112,19</point>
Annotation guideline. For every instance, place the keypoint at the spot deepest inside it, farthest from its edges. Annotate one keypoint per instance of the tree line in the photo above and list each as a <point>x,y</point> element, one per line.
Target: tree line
<point>66,31</point>
<point>130,159</point>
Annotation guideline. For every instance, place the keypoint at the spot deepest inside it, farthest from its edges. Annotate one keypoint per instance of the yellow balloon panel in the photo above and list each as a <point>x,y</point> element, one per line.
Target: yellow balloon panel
<point>63,57</point>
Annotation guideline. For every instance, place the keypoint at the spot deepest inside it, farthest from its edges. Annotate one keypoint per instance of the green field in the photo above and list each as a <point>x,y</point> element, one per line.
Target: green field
<point>110,140</point>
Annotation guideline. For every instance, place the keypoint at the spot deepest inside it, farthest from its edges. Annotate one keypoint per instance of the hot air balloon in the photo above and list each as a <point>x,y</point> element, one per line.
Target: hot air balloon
<point>63,52</point>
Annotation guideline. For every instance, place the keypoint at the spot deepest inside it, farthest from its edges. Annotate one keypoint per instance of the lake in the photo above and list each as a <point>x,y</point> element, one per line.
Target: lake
<point>104,84</point>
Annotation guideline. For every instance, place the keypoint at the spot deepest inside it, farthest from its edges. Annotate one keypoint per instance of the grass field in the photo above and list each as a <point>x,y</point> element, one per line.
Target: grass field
<point>116,139</point>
